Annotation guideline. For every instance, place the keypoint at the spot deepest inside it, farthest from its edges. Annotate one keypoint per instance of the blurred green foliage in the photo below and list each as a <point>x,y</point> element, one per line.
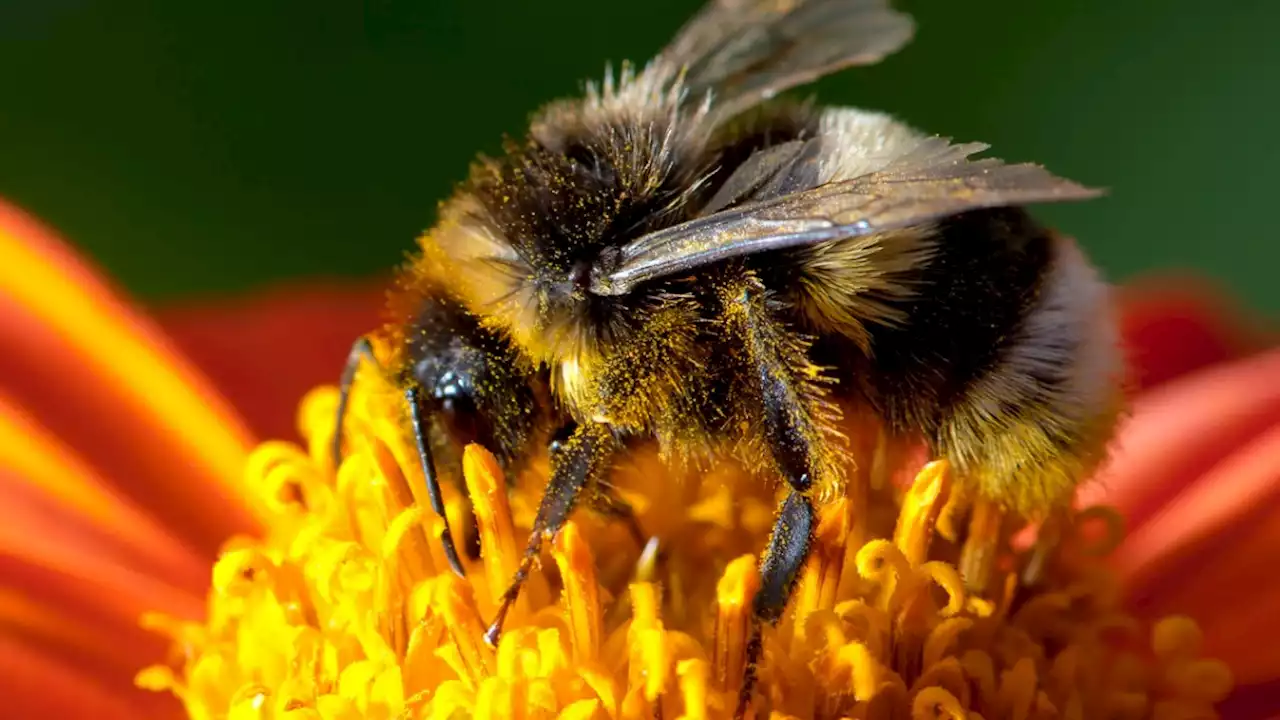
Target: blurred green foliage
<point>207,147</point>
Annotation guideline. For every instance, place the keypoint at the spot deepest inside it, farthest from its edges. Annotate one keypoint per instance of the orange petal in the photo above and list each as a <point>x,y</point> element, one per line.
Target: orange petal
<point>33,686</point>
<point>68,567</point>
<point>102,378</point>
<point>1180,430</point>
<point>266,350</point>
<point>40,475</point>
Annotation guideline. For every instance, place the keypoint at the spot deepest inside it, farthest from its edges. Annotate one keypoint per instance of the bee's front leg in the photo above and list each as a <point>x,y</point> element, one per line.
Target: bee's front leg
<point>580,460</point>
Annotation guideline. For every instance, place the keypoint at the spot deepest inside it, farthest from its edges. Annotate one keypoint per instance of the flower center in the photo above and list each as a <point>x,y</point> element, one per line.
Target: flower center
<point>347,609</point>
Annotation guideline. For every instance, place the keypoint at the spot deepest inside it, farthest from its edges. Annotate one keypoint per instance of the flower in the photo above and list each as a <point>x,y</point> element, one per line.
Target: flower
<point>272,586</point>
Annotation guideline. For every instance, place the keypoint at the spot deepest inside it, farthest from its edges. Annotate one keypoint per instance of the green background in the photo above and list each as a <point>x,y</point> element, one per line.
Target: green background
<point>198,148</point>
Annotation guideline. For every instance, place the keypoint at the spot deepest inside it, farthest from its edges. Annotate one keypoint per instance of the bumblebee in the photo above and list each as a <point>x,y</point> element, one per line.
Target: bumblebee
<point>681,258</point>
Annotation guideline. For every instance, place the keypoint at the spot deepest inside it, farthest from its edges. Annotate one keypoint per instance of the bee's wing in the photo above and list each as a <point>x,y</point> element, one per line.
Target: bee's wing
<point>746,51</point>
<point>933,180</point>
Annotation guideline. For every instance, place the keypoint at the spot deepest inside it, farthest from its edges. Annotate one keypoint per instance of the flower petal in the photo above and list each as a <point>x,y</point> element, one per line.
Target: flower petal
<point>266,350</point>
<point>35,686</point>
<point>1181,430</point>
<point>38,474</point>
<point>1260,701</point>
<point>1175,325</point>
<point>1212,554</point>
<point>102,378</point>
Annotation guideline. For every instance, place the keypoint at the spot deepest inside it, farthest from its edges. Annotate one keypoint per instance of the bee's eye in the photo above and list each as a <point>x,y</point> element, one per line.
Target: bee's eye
<point>456,405</point>
<point>460,415</point>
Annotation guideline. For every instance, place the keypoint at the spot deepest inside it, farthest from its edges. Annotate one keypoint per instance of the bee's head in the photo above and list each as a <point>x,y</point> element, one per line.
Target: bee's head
<point>474,387</point>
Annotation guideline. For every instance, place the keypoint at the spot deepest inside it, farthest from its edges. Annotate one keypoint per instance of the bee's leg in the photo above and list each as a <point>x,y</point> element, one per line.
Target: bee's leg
<point>779,569</point>
<point>778,367</point>
<point>413,396</point>
<point>604,499</point>
<point>361,350</point>
<point>576,462</point>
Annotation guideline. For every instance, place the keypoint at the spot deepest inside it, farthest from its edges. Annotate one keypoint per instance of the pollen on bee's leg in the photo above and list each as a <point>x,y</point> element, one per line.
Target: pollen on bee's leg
<point>499,551</point>
<point>735,595</point>
<point>581,591</point>
<point>981,547</point>
<point>920,509</point>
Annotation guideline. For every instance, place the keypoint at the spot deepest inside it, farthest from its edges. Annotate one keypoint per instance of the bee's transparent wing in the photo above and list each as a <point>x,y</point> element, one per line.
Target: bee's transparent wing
<point>933,180</point>
<point>746,51</point>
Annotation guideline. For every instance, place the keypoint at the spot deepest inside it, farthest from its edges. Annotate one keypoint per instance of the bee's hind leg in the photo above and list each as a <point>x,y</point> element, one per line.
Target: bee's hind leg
<point>779,569</point>
<point>779,370</point>
<point>578,460</point>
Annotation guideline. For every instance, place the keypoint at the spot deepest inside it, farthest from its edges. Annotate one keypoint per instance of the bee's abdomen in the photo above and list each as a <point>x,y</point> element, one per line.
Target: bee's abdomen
<point>980,283</point>
<point>1007,361</point>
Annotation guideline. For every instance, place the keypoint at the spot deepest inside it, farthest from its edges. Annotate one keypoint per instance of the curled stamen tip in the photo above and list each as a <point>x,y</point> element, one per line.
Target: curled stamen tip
<point>316,411</point>
<point>935,702</point>
<point>879,557</point>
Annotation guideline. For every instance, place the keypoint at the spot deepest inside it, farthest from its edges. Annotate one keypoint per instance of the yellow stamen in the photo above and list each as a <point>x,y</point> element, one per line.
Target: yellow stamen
<point>820,578</point>
<point>650,649</point>
<point>920,510</point>
<point>581,592</point>
<point>488,491</point>
<point>453,602</point>
<point>982,546</point>
<point>734,593</point>
<point>345,607</point>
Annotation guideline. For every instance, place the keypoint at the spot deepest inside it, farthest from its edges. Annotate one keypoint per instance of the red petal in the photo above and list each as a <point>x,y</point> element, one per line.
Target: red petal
<point>1181,430</point>
<point>1173,326</point>
<point>265,351</point>
<point>34,686</point>
<point>1260,701</point>
<point>39,476</point>
<point>1211,554</point>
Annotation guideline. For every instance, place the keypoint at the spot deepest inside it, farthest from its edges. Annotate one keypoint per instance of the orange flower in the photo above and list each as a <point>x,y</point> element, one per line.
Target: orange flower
<point>131,489</point>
